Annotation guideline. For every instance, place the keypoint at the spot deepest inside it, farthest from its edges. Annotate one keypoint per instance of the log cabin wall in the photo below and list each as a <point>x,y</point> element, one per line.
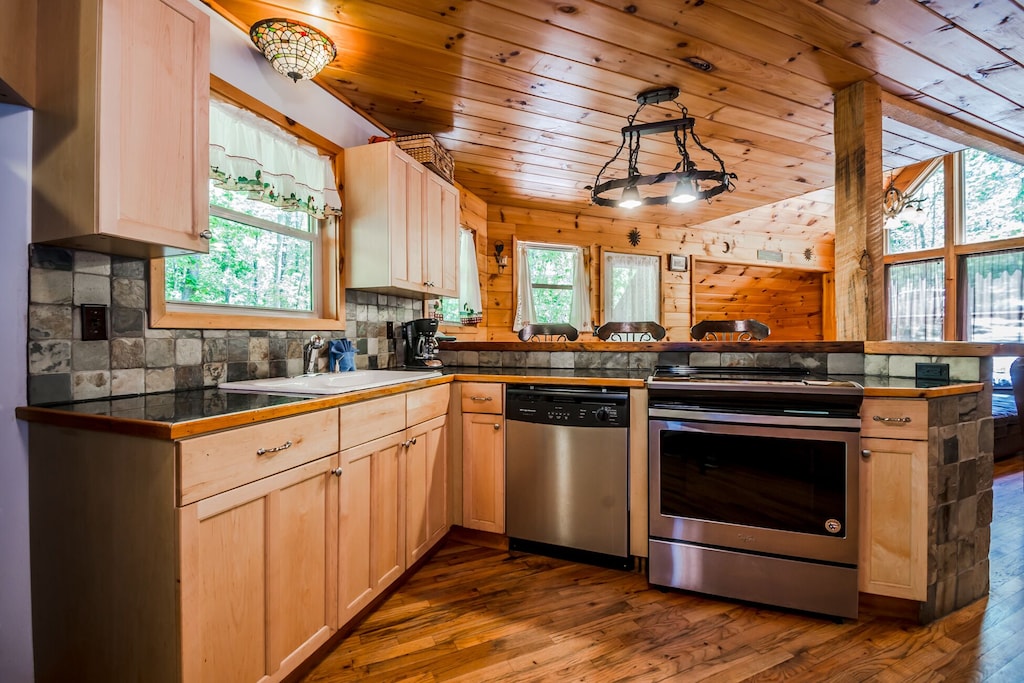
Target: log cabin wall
<point>798,231</point>
<point>788,300</point>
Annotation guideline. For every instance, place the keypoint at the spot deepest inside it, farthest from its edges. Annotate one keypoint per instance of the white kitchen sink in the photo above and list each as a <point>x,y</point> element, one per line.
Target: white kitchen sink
<point>329,383</point>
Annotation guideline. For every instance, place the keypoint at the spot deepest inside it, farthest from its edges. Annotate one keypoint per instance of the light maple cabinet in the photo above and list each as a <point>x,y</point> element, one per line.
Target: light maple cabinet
<point>214,557</point>
<point>401,224</point>
<point>121,137</point>
<point>483,457</point>
<point>894,498</point>
<point>392,497</point>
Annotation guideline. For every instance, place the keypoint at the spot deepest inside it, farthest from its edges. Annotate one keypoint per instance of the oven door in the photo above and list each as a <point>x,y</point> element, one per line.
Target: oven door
<point>771,489</point>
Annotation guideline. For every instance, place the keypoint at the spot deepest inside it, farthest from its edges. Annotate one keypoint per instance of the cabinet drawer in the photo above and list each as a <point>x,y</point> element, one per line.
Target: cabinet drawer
<point>482,397</point>
<point>369,420</point>
<point>426,404</point>
<point>891,418</point>
<point>217,462</point>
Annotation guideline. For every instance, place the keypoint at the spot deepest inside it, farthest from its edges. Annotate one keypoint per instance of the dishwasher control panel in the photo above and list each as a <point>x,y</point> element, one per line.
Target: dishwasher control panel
<point>572,406</point>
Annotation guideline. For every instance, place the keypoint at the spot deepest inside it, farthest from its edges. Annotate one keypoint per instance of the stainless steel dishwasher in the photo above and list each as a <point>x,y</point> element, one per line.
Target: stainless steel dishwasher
<point>567,472</point>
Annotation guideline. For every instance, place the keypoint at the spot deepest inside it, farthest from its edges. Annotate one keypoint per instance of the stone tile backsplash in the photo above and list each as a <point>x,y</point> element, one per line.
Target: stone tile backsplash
<point>136,359</point>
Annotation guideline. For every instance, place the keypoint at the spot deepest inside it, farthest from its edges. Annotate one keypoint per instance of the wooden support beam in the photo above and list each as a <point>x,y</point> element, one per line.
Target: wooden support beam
<point>945,126</point>
<point>860,274</point>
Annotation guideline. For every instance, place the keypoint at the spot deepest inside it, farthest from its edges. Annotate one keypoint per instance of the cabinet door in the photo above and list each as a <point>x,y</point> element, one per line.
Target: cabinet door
<point>426,490</point>
<point>257,572</point>
<point>406,221</point>
<point>440,237</point>
<point>371,547</point>
<point>894,518</point>
<point>483,472</point>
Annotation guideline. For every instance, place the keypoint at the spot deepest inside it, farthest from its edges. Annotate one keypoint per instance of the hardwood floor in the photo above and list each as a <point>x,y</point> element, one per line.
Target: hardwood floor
<point>477,614</point>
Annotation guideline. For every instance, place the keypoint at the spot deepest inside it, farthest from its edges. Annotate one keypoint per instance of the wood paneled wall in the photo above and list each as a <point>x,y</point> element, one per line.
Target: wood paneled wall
<point>789,301</point>
<point>798,231</point>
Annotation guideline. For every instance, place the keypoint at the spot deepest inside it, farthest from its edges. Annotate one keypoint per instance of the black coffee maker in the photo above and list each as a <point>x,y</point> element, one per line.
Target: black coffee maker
<point>420,343</point>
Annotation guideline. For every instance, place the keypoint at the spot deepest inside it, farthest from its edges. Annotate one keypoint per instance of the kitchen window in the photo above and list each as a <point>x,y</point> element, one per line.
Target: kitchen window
<point>468,301</point>
<point>955,255</point>
<point>632,286</point>
<point>551,285</point>
<point>273,236</point>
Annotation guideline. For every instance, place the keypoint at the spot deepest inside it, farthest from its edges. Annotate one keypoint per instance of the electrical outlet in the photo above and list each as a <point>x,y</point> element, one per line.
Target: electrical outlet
<point>94,322</point>
<point>390,329</point>
<point>932,371</point>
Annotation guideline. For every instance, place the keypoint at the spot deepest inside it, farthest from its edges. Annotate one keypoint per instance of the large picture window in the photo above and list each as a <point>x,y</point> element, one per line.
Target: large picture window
<point>961,234</point>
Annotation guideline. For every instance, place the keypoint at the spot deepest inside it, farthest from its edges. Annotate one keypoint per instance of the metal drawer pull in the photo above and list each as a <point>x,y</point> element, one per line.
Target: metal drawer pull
<point>897,420</point>
<point>286,445</point>
<point>336,471</point>
<point>481,398</point>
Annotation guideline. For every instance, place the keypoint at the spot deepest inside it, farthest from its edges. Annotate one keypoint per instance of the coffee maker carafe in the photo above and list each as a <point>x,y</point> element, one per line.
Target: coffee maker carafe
<point>420,343</point>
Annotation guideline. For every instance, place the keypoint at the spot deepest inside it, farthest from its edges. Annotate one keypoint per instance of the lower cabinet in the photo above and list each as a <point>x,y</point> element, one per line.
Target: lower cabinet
<point>483,472</point>
<point>894,498</point>
<point>426,487</point>
<point>257,577</point>
<point>894,518</point>
<point>371,548</point>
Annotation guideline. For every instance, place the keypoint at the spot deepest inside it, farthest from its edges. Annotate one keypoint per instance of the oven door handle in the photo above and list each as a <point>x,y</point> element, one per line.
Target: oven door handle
<point>791,420</point>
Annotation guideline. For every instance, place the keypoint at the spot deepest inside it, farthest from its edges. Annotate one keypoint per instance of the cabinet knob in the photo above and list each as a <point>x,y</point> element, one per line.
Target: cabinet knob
<point>336,471</point>
<point>497,426</point>
<point>410,442</point>
<point>865,454</point>
<point>206,234</point>
<point>263,451</point>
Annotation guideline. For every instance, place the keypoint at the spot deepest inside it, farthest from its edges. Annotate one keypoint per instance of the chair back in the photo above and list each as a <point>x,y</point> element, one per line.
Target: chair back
<point>1017,380</point>
<point>729,330</point>
<point>548,332</point>
<point>636,332</point>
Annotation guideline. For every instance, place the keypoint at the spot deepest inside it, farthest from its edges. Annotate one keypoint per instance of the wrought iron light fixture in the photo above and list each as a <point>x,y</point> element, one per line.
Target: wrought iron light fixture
<point>688,182</point>
<point>295,49</point>
<point>499,258</point>
<point>897,205</point>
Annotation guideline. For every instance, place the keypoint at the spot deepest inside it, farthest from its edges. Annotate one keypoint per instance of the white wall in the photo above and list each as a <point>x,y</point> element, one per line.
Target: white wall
<point>234,58</point>
<point>15,198</point>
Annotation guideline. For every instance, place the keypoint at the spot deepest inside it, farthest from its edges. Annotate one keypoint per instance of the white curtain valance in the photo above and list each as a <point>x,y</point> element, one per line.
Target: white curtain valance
<point>250,154</point>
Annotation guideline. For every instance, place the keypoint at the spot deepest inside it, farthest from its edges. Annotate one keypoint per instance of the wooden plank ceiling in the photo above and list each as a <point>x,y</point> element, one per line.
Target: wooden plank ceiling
<point>530,95</point>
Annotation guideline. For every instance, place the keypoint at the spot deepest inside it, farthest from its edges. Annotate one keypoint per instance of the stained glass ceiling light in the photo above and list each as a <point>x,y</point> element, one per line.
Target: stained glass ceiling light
<point>295,49</point>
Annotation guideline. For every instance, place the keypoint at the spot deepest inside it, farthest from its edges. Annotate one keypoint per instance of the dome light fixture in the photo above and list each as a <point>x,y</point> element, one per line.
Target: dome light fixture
<point>296,50</point>
<point>688,181</point>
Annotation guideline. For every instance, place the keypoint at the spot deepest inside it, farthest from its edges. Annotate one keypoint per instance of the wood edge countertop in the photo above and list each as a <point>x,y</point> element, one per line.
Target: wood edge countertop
<point>165,430</point>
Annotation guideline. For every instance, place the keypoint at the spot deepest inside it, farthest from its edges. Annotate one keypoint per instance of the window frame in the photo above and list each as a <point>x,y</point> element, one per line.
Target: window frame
<point>328,290</point>
<point>586,264</point>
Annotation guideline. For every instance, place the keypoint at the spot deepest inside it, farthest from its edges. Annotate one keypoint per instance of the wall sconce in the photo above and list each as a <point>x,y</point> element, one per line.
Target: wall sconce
<point>500,259</point>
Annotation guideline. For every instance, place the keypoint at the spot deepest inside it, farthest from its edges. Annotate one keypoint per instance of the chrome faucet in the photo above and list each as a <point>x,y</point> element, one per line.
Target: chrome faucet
<point>310,355</point>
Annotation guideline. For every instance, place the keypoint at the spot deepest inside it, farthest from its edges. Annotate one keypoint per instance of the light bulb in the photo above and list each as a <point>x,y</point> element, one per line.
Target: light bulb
<point>630,198</point>
<point>684,192</point>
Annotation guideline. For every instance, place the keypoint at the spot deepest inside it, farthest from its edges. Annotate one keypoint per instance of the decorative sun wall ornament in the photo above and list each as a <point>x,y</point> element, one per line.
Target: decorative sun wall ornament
<point>634,237</point>
<point>295,49</point>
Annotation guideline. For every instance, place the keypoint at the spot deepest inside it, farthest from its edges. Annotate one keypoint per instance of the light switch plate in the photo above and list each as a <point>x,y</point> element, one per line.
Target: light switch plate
<point>94,322</point>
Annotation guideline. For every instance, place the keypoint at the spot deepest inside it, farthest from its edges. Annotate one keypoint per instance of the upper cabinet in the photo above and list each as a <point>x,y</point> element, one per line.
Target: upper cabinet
<point>401,224</point>
<point>121,128</point>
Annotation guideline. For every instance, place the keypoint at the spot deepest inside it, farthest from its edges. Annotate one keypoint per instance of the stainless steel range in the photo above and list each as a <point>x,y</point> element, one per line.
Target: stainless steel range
<point>753,490</point>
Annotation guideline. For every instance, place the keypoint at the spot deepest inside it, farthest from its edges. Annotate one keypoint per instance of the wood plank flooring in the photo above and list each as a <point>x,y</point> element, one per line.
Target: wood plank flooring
<point>478,614</point>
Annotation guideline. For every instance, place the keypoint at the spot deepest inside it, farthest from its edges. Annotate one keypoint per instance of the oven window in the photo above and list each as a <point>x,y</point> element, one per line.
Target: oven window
<point>759,481</point>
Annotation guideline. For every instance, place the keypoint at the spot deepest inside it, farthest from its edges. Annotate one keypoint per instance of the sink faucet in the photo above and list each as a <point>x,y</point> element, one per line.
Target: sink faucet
<point>309,350</point>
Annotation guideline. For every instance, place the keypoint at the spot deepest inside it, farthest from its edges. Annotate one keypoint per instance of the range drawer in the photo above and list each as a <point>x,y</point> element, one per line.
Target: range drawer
<point>482,397</point>
<point>214,463</point>
<point>895,418</point>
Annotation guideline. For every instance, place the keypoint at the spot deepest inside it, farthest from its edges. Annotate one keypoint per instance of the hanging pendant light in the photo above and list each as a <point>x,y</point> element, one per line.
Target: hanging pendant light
<point>294,49</point>
<point>689,182</point>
